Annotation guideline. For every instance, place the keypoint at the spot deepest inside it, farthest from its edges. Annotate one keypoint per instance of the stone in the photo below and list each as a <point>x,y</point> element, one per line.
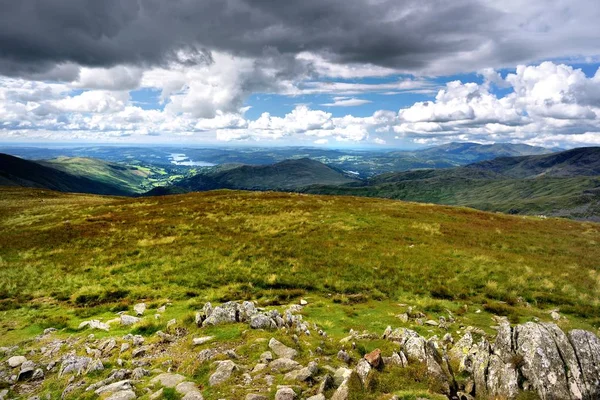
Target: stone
<point>94,365</point>
<point>224,371</point>
<point>326,383</point>
<point>139,373</point>
<point>259,367</point>
<point>223,314</point>
<point>26,372</point>
<point>282,365</point>
<point>303,374</point>
<point>124,347</point>
<point>282,350</point>
<point>139,309</point>
<point>94,324</point>
<point>266,357</point>
<point>119,386</point>
<point>341,375</point>
<point>127,320</point>
<point>555,316</point>
<point>161,309</point>
<point>123,395</point>
<point>587,350</point>
<point>74,364</point>
<point>38,374</point>
<point>319,396</point>
<point>303,302</point>
<point>431,322</point>
<point>262,321</point>
<point>363,368</point>
<point>285,394</point>
<point>140,351</point>
<point>168,380</point>
<point>165,337</point>
<point>253,396</point>
<point>396,359</point>
<point>16,361</point>
<point>137,340</point>
<point>201,340</point>
<point>189,391</point>
<point>374,358</point>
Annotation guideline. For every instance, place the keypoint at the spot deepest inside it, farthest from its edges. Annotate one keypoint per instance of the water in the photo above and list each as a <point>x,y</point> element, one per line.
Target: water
<point>182,159</point>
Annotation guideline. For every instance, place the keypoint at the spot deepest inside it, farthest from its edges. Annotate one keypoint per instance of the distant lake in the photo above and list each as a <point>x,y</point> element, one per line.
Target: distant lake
<point>182,159</point>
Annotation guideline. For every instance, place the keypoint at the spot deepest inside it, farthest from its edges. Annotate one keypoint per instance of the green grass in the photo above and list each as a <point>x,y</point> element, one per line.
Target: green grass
<point>65,258</point>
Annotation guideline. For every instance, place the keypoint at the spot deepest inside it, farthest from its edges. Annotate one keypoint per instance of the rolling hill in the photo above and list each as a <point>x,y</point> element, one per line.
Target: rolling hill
<point>559,184</point>
<point>15,171</point>
<point>288,175</point>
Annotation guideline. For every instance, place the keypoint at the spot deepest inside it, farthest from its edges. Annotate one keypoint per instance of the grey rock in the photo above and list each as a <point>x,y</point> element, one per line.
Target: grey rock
<point>127,320</point>
<point>224,371</point>
<point>139,309</point>
<point>120,386</point>
<point>74,364</point>
<point>16,361</point>
<point>363,368</point>
<point>94,365</point>
<point>266,357</point>
<point>139,373</point>
<point>137,340</point>
<point>303,374</point>
<point>202,340</point>
<point>94,324</point>
<point>207,355</point>
<point>189,391</point>
<point>587,351</point>
<point>168,380</point>
<point>123,395</point>
<point>282,365</point>
<point>319,396</point>
<point>38,374</point>
<point>27,369</point>
<point>253,396</point>
<point>282,350</point>
<point>341,375</point>
<point>140,351</point>
<point>223,314</point>
<point>262,321</point>
<point>285,394</point>
<point>343,355</point>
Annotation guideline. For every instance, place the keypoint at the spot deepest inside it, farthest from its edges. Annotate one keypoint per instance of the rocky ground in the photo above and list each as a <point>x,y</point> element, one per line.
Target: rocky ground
<point>281,355</point>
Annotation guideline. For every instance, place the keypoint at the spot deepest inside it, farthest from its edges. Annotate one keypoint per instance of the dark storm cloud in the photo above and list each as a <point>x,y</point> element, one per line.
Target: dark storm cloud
<point>35,35</point>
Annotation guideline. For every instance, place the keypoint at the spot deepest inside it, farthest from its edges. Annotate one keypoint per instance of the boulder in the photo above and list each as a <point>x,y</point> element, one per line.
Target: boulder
<point>201,340</point>
<point>285,394</point>
<point>363,368</point>
<point>120,386</point>
<point>374,358</point>
<point>303,374</point>
<point>16,361</point>
<point>168,380</point>
<point>26,372</point>
<point>587,350</point>
<point>282,350</point>
<point>262,321</point>
<point>282,365</point>
<point>123,395</point>
<point>74,364</point>
<point>139,309</point>
<point>341,374</point>
<point>223,372</point>
<point>94,324</point>
<point>127,320</point>
<point>223,314</point>
<point>189,391</point>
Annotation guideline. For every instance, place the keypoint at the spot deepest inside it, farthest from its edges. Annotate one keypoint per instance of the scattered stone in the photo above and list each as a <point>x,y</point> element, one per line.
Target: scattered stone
<point>201,340</point>
<point>139,309</point>
<point>259,367</point>
<point>223,372</point>
<point>124,347</point>
<point>120,386</point>
<point>38,374</point>
<point>140,351</point>
<point>262,321</point>
<point>319,396</point>
<point>282,365</point>
<point>189,391</point>
<point>127,320</point>
<point>341,375</point>
<point>27,369</point>
<point>138,373</point>
<point>165,337</point>
<point>282,350</point>
<point>137,340</point>
<point>161,309</point>
<point>266,357</point>
<point>171,322</point>
<point>374,358</point>
<point>303,302</point>
<point>123,395</point>
<point>253,396</point>
<point>555,315</point>
<point>74,364</point>
<point>363,368</point>
<point>303,374</point>
<point>168,380</point>
<point>48,331</point>
<point>94,365</point>
<point>431,322</point>
<point>285,394</point>
<point>207,355</point>
<point>94,324</point>
<point>16,361</point>
<point>402,317</point>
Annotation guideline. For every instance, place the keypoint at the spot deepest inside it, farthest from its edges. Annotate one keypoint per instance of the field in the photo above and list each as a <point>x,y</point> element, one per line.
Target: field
<point>66,257</point>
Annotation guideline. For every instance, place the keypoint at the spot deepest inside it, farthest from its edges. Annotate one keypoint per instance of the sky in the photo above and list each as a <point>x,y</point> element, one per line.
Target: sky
<point>331,73</point>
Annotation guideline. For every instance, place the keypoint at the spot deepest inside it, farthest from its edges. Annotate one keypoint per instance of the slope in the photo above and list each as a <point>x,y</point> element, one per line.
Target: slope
<point>15,171</point>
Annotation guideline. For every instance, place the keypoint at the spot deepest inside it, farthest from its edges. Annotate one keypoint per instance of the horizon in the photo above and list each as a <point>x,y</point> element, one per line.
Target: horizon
<point>366,75</point>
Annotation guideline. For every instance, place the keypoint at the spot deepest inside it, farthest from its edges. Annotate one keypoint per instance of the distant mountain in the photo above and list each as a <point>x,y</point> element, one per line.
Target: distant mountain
<point>288,175</point>
<point>561,184</point>
<point>15,171</point>
<point>583,161</point>
<point>479,152</point>
<point>133,179</point>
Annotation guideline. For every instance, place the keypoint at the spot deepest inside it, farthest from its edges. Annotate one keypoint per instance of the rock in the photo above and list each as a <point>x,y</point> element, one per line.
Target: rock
<point>140,351</point>
<point>207,354</point>
<point>363,368</point>
<point>94,324</point>
<point>139,309</point>
<point>201,340</point>
<point>3,394</point>
<point>223,372</point>
<point>161,309</point>
<point>555,316</point>
<point>397,359</point>
<point>402,317</point>
<point>165,337</point>
<point>16,361</point>
<point>282,365</point>
<point>124,395</point>
<point>127,320</point>
<point>38,374</point>
<point>282,350</point>
<point>303,302</point>
<point>74,364</point>
<point>27,369</point>
<point>319,396</point>
<point>253,396</point>
<point>48,331</point>
<point>168,380</point>
<point>261,321</point>
<point>326,383</point>
<point>224,314</point>
<point>124,347</point>
<point>120,386</point>
<point>303,374</point>
<point>374,358</point>
<point>157,395</point>
<point>285,394</point>
<point>266,357</point>
<point>137,340</point>
<point>343,355</point>
<point>94,365</point>
<point>189,391</point>
<point>139,373</point>
<point>259,367</point>
<point>431,322</point>
<point>171,322</point>
<point>341,375</point>
<point>587,350</point>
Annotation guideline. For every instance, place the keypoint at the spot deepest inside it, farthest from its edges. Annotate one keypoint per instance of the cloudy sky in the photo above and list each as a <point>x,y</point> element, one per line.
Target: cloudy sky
<point>338,73</point>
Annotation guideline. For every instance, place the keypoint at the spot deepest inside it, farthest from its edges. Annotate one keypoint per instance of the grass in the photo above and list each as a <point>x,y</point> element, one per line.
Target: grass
<point>65,258</point>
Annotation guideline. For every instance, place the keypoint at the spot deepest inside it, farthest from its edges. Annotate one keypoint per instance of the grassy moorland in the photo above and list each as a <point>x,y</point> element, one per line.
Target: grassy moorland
<point>67,257</point>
